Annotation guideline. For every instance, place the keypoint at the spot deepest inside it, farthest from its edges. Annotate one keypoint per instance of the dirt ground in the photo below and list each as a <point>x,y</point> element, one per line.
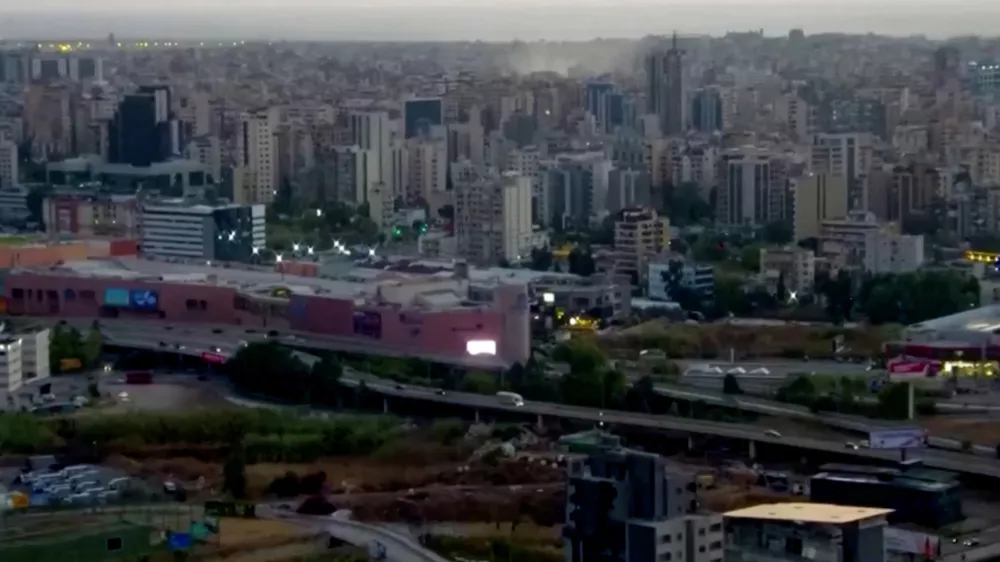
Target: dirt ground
<point>235,531</point>
<point>981,431</point>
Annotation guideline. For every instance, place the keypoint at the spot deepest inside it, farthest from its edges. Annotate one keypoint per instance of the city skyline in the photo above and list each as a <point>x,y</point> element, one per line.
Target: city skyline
<point>447,20</point>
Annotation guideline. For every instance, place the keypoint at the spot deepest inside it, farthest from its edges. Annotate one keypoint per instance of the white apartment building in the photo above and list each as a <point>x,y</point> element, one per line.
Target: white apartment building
<point>427,168</point>
<point>35,354</point>
<point>11,369</point>
<point>493,217</point>
<point>373,131</point>
<point>9,171</point>
<point>887,252</point>
<point>255,178</point>
<point>13,202</point>
<point>524,162</point>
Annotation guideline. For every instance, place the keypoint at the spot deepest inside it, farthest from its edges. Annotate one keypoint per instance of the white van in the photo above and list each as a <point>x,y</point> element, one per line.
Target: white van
<point>510,398</point>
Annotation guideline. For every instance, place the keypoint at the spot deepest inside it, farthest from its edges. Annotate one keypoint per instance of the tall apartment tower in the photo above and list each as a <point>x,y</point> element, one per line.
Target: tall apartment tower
<point>665,88</point>
<point>255,175</point>
<point>493,217</point>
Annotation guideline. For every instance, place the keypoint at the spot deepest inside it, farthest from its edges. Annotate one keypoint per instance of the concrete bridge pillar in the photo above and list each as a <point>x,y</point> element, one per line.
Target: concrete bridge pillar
<point>753,450</point>
<point>385,405</point>
<point>540,422</point>
<point>476,412</point>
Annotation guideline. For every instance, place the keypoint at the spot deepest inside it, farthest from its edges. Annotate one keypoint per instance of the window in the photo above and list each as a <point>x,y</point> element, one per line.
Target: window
<point>17,294</point>
<point>114,544</point>
<point>666,557</point>
<point>715,527</point>
<point>715,545</point>
<point>69,295</point>
<point>52,295</point>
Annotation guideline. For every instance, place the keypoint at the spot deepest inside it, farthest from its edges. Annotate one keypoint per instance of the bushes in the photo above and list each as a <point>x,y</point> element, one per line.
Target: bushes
<point>267,435</point>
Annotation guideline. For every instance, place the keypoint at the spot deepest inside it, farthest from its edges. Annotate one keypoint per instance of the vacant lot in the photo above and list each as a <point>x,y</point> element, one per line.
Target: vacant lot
<point>981,431</point>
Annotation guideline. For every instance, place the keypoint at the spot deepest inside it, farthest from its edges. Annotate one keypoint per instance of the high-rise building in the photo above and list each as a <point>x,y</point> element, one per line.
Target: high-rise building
<point>706,110</point>
<point>817,197</point>
<point>426,168</point>
<point>844,154</point>
<point>573,189</point>
<point>665,88</point>
<point>372,131</point>
<point>628,505</point>
<point>420,115</point>
<point>601,101</point>
<point>255,175</point>
<point>493,217</point>
<point>141,132</point>
<point>745,185</point>
<point>178,228</point>
<point>640,234</point>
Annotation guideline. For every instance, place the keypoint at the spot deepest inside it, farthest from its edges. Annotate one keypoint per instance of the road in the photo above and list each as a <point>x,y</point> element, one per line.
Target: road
<point>780,368</point>
<point>395,546</point>
<point>196,339</point>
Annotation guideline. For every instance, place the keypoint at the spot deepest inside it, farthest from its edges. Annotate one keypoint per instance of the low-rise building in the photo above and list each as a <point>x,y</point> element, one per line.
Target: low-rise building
<point>797,266</point>
<point>795,532</point>
<point>699,278</point>
<point>11,369</point>
<point>35,354</point>
<point>629,504</point>
<point>182,229</point>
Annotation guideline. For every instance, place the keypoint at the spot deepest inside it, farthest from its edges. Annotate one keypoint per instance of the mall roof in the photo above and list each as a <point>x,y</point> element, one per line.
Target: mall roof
<point>808,513</point>
<point>983,320</point>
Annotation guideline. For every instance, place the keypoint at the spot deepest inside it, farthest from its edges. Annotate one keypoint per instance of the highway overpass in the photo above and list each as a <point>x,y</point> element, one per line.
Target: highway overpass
<point>195,341</point>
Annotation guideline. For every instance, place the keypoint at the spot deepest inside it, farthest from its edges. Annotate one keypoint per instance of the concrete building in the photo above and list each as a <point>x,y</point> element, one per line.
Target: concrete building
<point>177,228</point>
<point>426,169</point>
<point>665,94</point>
<point>640,234</point>
<point>255,175</point>
<point>805,531</point>
<point>88,215</point>
<point>888,252</point>
<point>35,354</point>
<point>796,265</point>
<point>745,187</point>
<point>493,217</point>
<point>817,197</point>
<point>699,278</point>
<point>627,505</point>
<point>842,154</point>
<point>13,204</point>
<point>9,168</point>
<point>11,368</point>
<point>844,241</point>
<point>573,190</point>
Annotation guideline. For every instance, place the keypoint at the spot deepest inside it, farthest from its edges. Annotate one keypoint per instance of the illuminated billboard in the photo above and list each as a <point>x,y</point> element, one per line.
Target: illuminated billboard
<point>481,347</point>
<point>144,300</point>
<point>116,297</point>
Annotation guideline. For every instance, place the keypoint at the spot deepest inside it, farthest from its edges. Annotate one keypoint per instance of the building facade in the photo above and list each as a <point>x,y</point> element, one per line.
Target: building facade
<point>626,505</point>
<point>794,532</point>
<point>199,231</point>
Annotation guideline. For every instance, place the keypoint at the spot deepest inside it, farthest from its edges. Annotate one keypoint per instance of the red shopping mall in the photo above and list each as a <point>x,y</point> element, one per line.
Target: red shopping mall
<point>409,313</point>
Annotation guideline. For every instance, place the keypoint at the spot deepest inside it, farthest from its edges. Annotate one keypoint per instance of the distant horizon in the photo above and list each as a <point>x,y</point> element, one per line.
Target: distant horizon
<point>553,21</point>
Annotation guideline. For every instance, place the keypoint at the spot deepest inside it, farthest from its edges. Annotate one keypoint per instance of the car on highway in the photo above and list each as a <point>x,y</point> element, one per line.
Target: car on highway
<point>400,387</point>
<point>851,445</point>
<point>736,371</point>
<point>760,371</point>
<point>216,330</point>
<point>773,433</point>
<point>441,392</point>
<point>272,333</point>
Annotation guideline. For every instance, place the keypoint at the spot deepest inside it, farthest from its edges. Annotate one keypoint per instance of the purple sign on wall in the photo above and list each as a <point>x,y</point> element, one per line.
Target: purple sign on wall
<point>368,323</point>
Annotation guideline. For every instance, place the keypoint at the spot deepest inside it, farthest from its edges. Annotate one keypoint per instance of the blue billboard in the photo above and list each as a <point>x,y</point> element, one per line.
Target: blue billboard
<point>116,297</point>
<point>145,300</point>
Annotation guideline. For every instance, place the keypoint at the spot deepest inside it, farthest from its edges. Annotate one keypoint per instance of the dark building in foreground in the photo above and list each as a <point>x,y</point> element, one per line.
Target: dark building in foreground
<point>419,115</point>
<point>626,506</point>
<point>922,497</point>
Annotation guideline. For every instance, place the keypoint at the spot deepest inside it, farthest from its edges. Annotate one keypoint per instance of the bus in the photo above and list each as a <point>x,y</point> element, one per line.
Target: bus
<point>510,398</point>
<point>139,377</point>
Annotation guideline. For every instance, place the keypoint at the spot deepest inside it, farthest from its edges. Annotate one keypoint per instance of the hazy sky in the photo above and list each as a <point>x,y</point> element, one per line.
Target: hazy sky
<point>484,19</point>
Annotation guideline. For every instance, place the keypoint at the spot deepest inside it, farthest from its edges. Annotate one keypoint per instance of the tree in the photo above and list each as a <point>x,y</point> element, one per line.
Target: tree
<point>799,390</point>
<point>778,233</point>
<point>479,382</point>
<point>893,401</point>
<point>750,258</point>
<point>234,473</point>
<point>91,347</point>
<point>271,369</point>
<point>781,292</point>
<point>541,259</point>
<point>324,381</point>
<point>731,385</point>
<point>685,204</point>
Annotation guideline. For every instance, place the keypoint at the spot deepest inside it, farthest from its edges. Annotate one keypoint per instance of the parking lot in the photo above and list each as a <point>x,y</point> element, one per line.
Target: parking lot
<point>46,483</point>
